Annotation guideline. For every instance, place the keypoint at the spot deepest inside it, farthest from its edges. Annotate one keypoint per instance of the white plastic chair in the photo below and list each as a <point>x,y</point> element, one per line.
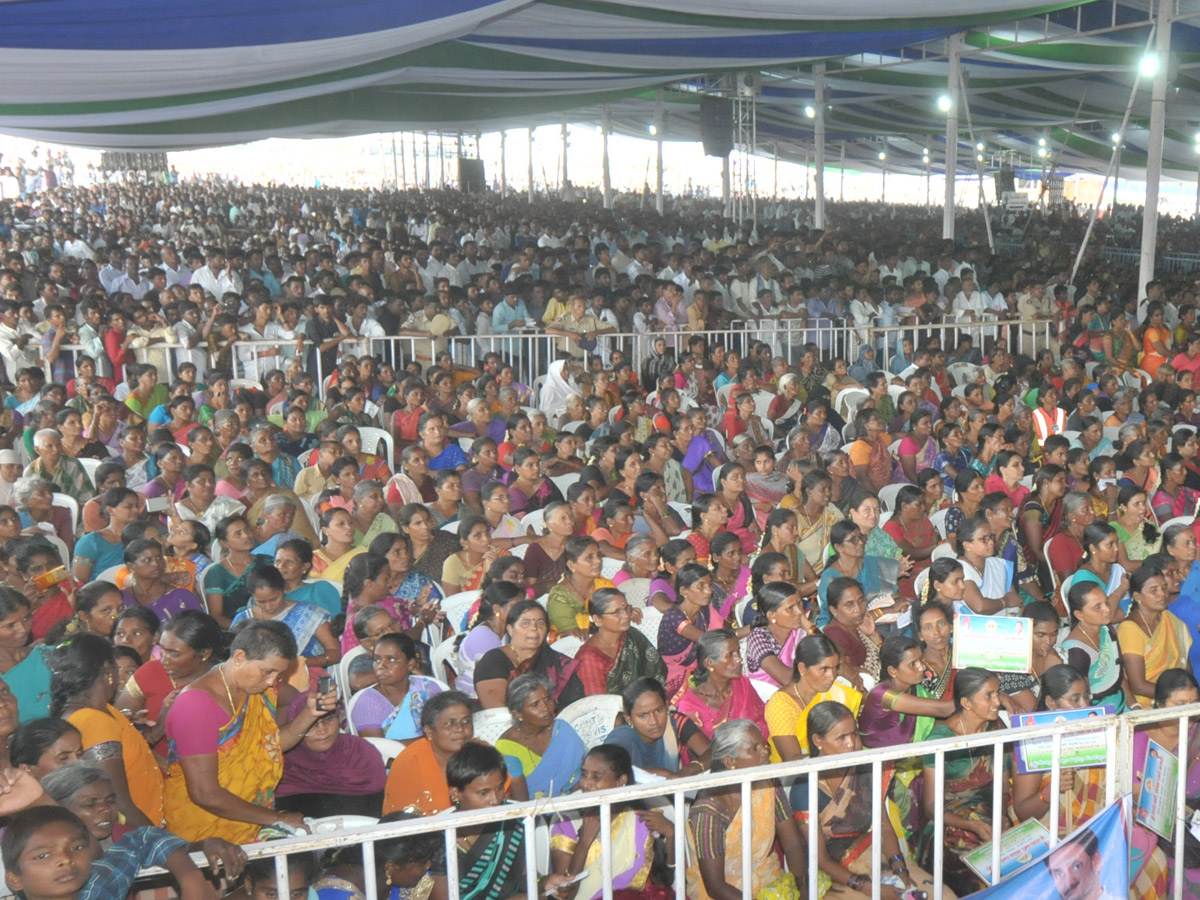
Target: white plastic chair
<point>1027,482</point>
<point>610,567</point>
<point>962,372</point>
<point>450,527</point>
<point>1046,554</point>
<point>1178,520</point>
<point>723,393</point>
<point>456,606</point>
<point>110,574</point>
<point>519,551</point>
<point>941,551</point>
<point>388,749</point>
<point>91,465</point>
<point>370,437</point>
<point>894,448</point>
<point>894,391</point>
<point>593,718</point>
<point>241,384</point>
<point>1174,430</point>
<point>651,619</point>
<point>762,403</point>
<point>68,502</point>
<point>564,482</point>
<point>350,704</point>
<point>444,654</point>
<point>684,510</point>
<point>341,672</point>
<point>489,724</point>
<point>536,389</point>
<point>884,517</point>
<point>887,496</point>
<point>919,582</point>
<point>573,427</point>
<point>1072,436</point>
<point>1112,431</point>
<point>568,646</point>
<point>852,397</point>
<point>536,519</point>
<point>765,691</point>
<point>939,521</point>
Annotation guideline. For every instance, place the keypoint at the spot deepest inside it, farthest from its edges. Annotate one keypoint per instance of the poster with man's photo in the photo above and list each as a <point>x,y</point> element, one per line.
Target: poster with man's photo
<point>1091,863</point>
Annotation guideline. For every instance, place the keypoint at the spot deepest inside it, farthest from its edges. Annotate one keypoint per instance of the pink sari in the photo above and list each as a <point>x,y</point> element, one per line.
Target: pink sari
<point>743,703</point>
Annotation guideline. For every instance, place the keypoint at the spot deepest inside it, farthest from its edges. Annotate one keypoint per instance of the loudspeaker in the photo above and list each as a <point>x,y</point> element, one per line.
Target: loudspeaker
<point>1005,181</point>
<point>471,178</point>
<point>716,125</point>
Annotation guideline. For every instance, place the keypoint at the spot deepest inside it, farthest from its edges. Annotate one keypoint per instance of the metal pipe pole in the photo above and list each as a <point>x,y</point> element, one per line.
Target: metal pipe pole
<point>606,127</point>
<point>883,182</point>
<point>441,160</point>
<point>1198,190</point>
<point>955,44</point>
<point>530,189</point>
<point>565,172</point>
<point>819,145</point>
<point>395,165</point>
<point>1154,150</point>
<point>659,127</point>
<point>427,181</point>
<point>725,185</point>
<point>503,164</point>
<point>842,176</point>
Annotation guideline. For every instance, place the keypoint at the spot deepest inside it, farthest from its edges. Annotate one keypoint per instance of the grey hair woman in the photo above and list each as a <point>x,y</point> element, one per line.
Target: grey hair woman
<point>536,734</point>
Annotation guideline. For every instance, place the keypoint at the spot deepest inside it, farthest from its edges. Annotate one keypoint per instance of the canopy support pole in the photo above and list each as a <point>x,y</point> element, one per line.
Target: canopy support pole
<point>726,186</point>
<point>1154,150</point>
<point>842,176</point>
<point>955,42</point>
<point>659,125</point>
<point>428,182</point>
<point>565,172</point>
<point>883,180</point>
<point>606,127</point>
<point>819,145</point>
<point>983,204</point>
<point>503,164</point>
<point>395,165</point>
<point>530,141</point>
<point>441,160</point>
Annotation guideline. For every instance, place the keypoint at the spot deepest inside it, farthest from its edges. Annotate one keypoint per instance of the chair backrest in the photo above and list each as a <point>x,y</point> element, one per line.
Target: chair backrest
<point>1112,431</point>
<point>762,404</point>
<point>91,465</point>
<point>489,724</point>
<point>370,439</point>
<point>1174,430</point>
<point>852,398</point>
<point>939,521</point>
<point>610,567</point>
<point>536,390</point>
<point>919,582</point>
<point>535,518</point>
<point>239,384</point>
<point>568,646</point>
<point>764,690</point>
<point>887,496</point>
<point>110,574</point>
<point>651,618</point>
<point>68,502</point>
<point>341,672</point>
<point>456,607</point>
<point>573,427</point>
<point>593,718</point>
<point>1046,554</point>
<point>350,704</point>
<point>564,482</point>
<point>684,510</point>
<point>941,551</point>
<point>723,393</point>
<point>444,654</point>
<point>895,390</point>
<point>450,527</point>
<point>519,551</point>
<point>387,748</point>
<point>962,372</point>
<point>1178,520</point>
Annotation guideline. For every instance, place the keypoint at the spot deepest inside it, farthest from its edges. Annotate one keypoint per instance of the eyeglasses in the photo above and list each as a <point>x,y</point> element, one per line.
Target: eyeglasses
<point>619,612</point>
<point>986,538</point>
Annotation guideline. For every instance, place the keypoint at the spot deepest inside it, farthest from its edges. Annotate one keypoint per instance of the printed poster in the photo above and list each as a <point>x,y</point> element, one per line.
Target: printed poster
<point>1085,748</point>
<point>1155,807</point>
<point>995,643</point>
<point>1018,846</point>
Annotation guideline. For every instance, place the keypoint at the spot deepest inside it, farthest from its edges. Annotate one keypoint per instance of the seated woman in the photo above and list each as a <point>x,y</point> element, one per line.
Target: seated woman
<point>616,654</point>
<point>370,512</point>
<point>484,633</point>
<point>542,753</point>
<point>99,551</point>
<point>466,568</point>
<point>814,680</point>
<point>43,745</point>
<point>714,827</point>
<point>1091,646</point>
<point>148,585</point>
<point>1138,537</point>
<point>731,574</point>
<point>967,797</point>
<point>226,745</point>
<point>845,829</point>
<point>83,686</point>
<point>476,776</point>
<point>684,624</point>
<point>779,624</point>
<point>225,589</point>
<point>337,545</point>
<point>1152,639</point>
<point>526,651</point>
<point>900,709</point>
<point>329,773</point>
<point>417,779</point>
<point>876,574</point>
<point>309,624</point>
<point>718,689</point>
<point>412,596</point>
<point>635,834</point>
<point>988,588</point>
<point>1173,499</point>
<point>641,564</point>
<point>430,545</point>
<point>190,642</point>
<point>614,529</point>
<point>853,632</point>
<point>658,739</point>
<point>567,605</point>
<point>729,483</point>
<point>913,532</point>
<point>392,707</point>
<point>448,504</point>
<point>201,501</point>
<point>529,488</point>
<point>33,499</point>
<point>293,559</point>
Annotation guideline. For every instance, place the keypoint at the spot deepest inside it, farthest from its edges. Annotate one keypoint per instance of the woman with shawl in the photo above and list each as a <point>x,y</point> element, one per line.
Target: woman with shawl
<point>557,388</point>
<point>616,655</point>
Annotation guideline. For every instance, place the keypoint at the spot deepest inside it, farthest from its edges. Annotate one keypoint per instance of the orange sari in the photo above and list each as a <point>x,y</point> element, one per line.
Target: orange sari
<point>1151,358</point>
<point>101,730</point>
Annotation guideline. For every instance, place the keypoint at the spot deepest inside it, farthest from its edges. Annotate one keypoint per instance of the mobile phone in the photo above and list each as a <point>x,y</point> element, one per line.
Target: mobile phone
<point>47,580</point>
<point>157,504</point>
<point>324,686</point>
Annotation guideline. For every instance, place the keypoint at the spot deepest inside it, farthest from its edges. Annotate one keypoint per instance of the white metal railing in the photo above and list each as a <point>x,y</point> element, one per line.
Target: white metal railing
<point>1119,769</point>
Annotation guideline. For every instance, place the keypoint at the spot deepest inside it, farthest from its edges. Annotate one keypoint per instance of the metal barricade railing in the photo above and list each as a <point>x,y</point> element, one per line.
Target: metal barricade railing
<point>1118,773</point>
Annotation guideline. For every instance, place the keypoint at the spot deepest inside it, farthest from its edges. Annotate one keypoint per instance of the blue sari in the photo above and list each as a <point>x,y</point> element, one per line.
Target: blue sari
<point>302,619</point>
<point>553,773</point>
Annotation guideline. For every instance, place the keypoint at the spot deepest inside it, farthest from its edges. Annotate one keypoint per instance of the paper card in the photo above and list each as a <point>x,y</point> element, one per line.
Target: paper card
<point>1085,748</point>
<point>1018,846</point>
<point>995,643</point>
<point>1156,798</point>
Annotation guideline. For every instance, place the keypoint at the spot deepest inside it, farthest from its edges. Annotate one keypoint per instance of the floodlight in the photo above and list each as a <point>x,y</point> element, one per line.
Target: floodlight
<point>979,146</point>
<point>1116,138</point>
<point>882,155</point>
<point>653,130</point>
<point>945,104</point>
<point>1149,65</point>
<point>1041,142</point>
<point>810,112</point>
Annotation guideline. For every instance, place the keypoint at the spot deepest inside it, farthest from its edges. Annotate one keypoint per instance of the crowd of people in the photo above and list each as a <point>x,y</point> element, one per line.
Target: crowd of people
<point>232,606</point>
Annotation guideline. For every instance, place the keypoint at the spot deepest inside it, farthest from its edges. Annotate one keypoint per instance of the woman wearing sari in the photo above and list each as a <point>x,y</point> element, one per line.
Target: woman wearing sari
<point>869,455</point>
<point>226,749</point>
<point>542,753</point>
<point>526,651</point>
<point>718,690</point>
<point>814,680</point>
<point>918,450</point>
<point>1041,516</point>
<point>1173,499</point>
<point>913,532</point>
<point>988,587</point>
<point>309,624</point>
<point>865,513</point>
<point>616,655</point>
<point>411,597</point>
<point>695,452</point>
<point>430,546</point>
<point>417,779</point>
<point>779,625</point>
<point>530,489</point>
<point>466,568</point>
<point>1119,346</point>
<point>575,845</point>
<point>1099,565</point>
<point>1139,539</point>
<point>874,574</point>
<point>845,832</point>
<point>784,410</point>
<point>729,482</point>
<point>1156,339</point>
<point>338,548</point>
<point>661,462</point>
<point>969,774</point>
<point>1091,648</point>
<point>709,517</point>
<point>715,827</point>
<point>730,574</point>
<point>641,563</point>
<point>684,624</point>
<point>567,603</point>
<point>816,516</point>
<point>658,739</point>
<point>853,632</point>
<point>1152,638</point>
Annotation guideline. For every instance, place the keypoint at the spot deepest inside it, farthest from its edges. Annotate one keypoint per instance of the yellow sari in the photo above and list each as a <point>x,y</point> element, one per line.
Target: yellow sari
<point>249,766</point>
<point>1166,649</point>
<point>769,882</point>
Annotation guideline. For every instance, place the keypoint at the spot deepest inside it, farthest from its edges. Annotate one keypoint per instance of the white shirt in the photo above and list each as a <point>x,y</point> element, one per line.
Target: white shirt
<point>219,284</point>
